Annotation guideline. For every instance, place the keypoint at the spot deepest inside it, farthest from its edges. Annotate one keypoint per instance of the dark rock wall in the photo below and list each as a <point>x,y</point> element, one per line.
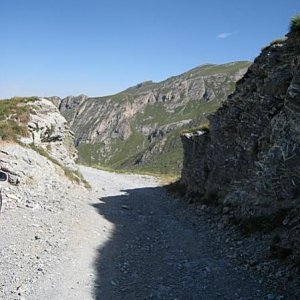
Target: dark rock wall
<point>251,155</point>
<point>255,128</point>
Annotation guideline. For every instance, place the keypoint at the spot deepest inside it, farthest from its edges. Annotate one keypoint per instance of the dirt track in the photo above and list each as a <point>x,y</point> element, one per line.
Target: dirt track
<point>126,239</point>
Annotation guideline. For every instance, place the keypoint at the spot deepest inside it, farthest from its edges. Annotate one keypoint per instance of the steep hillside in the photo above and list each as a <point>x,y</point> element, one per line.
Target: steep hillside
<point>139,127</point>
<point>248,161</point>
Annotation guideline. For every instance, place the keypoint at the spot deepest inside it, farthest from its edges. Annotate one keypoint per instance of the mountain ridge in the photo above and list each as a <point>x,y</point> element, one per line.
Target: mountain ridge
<point>135,128</point>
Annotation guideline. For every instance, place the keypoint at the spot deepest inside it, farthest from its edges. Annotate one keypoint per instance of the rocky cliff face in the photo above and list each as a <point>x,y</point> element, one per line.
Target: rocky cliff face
<point>37,166</point>
<point>248,162</point>
<point>49,130</point>
<point>138,126</point>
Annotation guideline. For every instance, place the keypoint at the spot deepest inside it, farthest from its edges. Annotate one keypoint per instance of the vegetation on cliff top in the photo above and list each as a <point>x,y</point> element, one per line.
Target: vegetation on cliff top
<point>295,23</point>
<point>14,116</point>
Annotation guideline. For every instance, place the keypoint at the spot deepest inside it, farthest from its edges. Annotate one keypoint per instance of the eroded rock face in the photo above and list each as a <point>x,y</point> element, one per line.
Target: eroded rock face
<point>49,130</point>
<point>251,156</point>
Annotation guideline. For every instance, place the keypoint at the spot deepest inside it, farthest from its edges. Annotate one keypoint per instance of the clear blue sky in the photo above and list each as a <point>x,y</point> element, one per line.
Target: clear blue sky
<point>99,47</point>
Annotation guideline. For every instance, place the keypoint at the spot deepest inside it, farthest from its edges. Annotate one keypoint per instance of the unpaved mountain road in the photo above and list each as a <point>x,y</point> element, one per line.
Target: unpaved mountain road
<point>126,239</point>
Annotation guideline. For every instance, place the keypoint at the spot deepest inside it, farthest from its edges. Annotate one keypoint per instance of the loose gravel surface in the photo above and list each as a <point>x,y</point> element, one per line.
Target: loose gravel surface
<point>125,239</point>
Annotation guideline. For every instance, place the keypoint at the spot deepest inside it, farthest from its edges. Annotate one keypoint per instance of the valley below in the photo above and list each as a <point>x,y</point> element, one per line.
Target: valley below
<point>127,238</point>
<point>139,129</point>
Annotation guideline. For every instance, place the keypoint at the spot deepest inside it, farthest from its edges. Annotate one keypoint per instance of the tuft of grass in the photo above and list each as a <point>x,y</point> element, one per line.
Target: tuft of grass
<point>14,108</point>
<point>203,127</point>
<point>278,41</point>
<point>74,176</point>
<point>41,151</point>
<point>295,23</point>
<point>10,130</point>
<point>14,116</point>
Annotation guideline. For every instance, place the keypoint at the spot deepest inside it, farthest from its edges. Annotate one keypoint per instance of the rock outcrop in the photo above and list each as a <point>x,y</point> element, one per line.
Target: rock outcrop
<point>49,130</point>
<point>138,125</point>
<point>249,161</point>
<point>37,165</point>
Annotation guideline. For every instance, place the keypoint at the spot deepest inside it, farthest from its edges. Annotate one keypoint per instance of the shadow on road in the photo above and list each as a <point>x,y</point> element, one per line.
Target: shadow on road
<point>126,265</point>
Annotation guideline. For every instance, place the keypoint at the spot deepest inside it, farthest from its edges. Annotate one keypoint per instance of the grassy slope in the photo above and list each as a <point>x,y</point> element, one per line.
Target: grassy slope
<point>126,153</point>
<point>14,116</point>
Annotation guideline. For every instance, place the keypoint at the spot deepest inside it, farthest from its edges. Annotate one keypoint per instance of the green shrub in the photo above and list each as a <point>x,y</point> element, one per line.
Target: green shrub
<point>295,23</point>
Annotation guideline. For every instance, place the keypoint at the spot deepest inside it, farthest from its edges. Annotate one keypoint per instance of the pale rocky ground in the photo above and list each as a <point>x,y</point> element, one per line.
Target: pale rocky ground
<point>124,239</point>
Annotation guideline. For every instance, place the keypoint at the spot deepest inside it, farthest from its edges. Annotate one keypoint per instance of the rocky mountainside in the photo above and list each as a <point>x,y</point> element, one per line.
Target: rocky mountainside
<point>139,127</point>
<point>248,161</point>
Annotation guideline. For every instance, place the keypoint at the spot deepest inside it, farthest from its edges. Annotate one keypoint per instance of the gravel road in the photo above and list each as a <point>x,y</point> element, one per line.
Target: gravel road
<point>125,239</point>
